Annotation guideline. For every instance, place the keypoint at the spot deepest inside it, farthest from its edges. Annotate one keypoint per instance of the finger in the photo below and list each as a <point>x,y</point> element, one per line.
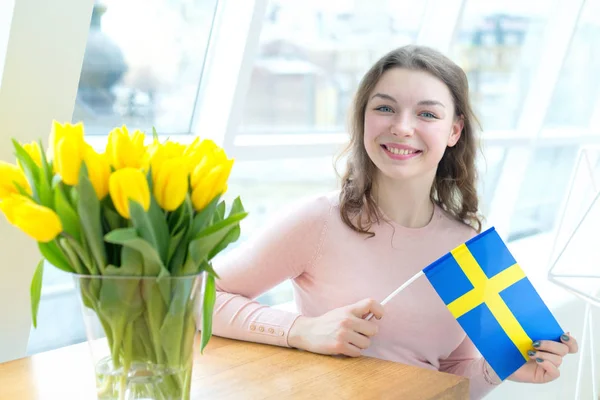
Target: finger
<point>366,306</point>
<point>358,340</point>
<point>364,327</point>
<point>551,371</point>
<point>349,350</point>
<point>550,357</point>
<point>551,346</point>
<point>571,342</point>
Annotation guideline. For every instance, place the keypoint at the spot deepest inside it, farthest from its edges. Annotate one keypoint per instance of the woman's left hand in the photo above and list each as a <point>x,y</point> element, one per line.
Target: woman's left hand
<point>545,358</point>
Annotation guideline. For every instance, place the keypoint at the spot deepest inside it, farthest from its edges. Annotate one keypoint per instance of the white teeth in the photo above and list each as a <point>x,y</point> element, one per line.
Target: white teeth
<point>402,152</point>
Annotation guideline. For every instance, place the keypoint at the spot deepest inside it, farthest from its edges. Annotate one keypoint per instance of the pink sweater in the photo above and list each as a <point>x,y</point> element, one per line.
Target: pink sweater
<point>332,266</point>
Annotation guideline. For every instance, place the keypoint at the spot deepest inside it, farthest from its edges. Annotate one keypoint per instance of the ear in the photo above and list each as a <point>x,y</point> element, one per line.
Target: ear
<point>457,128</point>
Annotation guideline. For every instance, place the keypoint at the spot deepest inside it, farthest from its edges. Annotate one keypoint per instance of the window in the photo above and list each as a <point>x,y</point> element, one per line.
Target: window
<point>312,55</point>
<point>577,91</point>
<point>497,45</point>
<point>143,64</point>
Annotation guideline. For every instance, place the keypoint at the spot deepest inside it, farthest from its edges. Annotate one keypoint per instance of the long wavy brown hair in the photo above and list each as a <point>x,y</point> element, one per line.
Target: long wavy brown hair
<point>454,187</point>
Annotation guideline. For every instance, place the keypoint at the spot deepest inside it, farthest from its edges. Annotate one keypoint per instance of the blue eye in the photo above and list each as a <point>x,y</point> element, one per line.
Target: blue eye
<point>427,115</point>
<point>384,109</point>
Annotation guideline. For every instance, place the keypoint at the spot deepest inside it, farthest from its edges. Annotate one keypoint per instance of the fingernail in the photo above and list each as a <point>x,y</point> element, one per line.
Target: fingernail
<point>539,360</point>
<point>536,344</point>
<point>565,338</point>
<point>531,353</point>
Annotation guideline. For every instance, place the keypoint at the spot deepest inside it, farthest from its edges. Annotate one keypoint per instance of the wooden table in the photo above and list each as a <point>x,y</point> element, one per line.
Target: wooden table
<point>231,369</point>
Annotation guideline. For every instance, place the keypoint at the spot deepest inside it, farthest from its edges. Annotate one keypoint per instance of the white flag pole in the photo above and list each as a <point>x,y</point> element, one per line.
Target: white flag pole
<point>395,292</point>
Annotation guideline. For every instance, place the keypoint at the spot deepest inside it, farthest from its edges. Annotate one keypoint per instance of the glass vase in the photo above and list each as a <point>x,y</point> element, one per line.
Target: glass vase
<point>141,334</point>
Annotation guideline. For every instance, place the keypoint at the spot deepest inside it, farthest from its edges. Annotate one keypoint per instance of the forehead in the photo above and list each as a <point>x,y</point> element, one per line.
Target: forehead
<point>412,85</point>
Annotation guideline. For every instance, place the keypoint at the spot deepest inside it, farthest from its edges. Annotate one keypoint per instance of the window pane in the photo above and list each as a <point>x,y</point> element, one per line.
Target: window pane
<point>312,55</point>
<point>498,45</point>
<point>143,63</point>
<point>543,190</point>
<point>578,87</point>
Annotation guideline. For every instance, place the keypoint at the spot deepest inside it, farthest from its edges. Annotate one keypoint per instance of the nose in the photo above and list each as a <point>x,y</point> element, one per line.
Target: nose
<point>402,125</point>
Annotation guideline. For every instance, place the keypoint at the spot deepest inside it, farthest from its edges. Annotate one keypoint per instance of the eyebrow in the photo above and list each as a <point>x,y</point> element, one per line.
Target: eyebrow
<point>421,103</point>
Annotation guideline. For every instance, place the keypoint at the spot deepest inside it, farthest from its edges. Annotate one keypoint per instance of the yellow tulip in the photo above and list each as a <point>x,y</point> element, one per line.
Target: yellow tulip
<point>39,222</point>
<point>68,148</point>
<point>170,185</point>
<point>98,171</point>
<point>211,157</point>
<point>163,152</point>
<point>9,175</point>
<point>124,150</point>
<point>198,149</point>
<point>34,151</point>
<point>206,186</point>
<point>128,184</point>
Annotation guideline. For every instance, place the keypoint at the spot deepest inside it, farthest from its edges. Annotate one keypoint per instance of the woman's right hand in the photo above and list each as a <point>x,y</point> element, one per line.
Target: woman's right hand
<point>340,331</point>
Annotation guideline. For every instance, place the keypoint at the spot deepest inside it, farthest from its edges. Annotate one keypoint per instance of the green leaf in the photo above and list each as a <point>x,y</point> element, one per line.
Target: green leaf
<point>75,257</point>
<point>204,217</point>
<point>150,181</point>
<point>220,212</point>
<point>66,213</point>
<point>73,194</point>
<point>45,176</point>
<point>47,170</point>
<point>88,209</point>
<point>219,226</point>
<point>173,324</point>
<point>30,168</point>
<point>177,246</point>
<point>151,226</point>
<point>36,291</point>
<point>154,134</point>
<point>232,236</point>
<point>210,295</point>
<point>182,217</point>
<point>153,266</point>
<point>236,206</point>
<point>210,239</point>
<point>153,295</point>
<point>55,256</point>
<point>120,302</point>
<point>132,264</point>
<point>114,220</point>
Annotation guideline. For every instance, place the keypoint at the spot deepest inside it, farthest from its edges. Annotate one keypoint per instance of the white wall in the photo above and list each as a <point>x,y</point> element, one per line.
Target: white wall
<point>6,11</point>
<point>42,45</point>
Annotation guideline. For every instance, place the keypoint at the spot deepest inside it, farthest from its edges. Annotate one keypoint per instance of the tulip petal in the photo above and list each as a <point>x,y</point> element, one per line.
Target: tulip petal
<point>129,184</point>
<point>39,222</point>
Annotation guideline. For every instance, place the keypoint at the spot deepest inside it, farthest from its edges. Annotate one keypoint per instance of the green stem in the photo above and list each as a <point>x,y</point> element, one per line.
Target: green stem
<point>84,255</point>
<point>73,258</point>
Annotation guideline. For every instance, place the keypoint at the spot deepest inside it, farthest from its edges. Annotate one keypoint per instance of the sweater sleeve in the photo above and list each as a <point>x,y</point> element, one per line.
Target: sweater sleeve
<point>466,361</point>
<point>282,250</point>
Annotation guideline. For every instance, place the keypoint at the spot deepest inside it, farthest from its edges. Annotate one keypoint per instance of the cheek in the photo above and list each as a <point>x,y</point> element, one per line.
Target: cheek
<point>436,141</point>
<point>373,126</point>
<point>373,129</point>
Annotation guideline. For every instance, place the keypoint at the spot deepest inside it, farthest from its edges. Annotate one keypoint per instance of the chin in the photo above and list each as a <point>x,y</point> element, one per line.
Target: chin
<point>401,173</point>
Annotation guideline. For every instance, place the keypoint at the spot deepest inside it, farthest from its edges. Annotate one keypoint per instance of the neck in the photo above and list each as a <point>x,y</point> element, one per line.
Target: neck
<point>407,203</point>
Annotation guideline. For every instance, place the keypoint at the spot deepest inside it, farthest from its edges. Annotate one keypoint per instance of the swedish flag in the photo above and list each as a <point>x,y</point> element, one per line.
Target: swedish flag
<point>491,298</point>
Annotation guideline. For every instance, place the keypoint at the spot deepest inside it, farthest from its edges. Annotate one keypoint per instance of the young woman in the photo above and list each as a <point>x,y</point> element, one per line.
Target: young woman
<point>408,196</point>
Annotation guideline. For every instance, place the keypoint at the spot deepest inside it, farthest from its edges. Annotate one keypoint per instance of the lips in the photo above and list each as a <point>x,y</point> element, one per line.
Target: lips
<point>399,149</point>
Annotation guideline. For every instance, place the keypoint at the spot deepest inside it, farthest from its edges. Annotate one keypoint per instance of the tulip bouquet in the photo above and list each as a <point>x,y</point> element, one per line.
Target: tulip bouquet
<point>144,215</point>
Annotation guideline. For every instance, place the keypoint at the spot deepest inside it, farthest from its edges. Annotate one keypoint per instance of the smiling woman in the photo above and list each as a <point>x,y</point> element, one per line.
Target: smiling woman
<point>414,100</point>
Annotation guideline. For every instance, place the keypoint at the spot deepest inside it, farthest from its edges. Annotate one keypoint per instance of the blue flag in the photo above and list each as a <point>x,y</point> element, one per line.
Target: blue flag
<point>491,298</point>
